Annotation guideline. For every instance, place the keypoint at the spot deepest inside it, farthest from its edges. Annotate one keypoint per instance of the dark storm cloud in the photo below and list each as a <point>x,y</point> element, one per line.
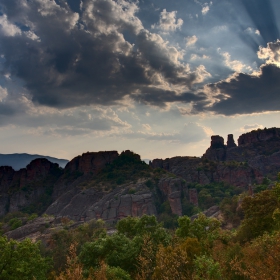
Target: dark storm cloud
<point>246,94</point>
<point>159,98</point>
<point>69,59</point>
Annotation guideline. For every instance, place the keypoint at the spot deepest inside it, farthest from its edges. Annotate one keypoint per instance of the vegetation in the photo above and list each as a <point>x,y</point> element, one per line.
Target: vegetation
<point>128,167</point>
<point>169,247</point>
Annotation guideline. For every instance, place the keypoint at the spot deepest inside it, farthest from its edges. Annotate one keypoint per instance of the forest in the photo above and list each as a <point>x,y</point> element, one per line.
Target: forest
<point>143,248</point>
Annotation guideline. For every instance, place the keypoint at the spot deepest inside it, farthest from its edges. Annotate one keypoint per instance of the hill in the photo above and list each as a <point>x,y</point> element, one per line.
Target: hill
<point>18,161</point>
<point>112,186</point>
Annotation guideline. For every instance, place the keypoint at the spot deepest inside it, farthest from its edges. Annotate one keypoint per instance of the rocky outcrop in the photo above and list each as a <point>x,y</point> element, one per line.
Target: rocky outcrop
<point>81,169</point>
<point>24,187</point>
<point>259,135</point>
<point>91,163</point>
<point>217,142</point>
<point>217,150</point>
<point>257,156</point>
<point>80,193</point>
<point>231,142</point>
<point>172,190</point>
<point>127,200</point>
<point>38,225</point>
<point>203,171</point>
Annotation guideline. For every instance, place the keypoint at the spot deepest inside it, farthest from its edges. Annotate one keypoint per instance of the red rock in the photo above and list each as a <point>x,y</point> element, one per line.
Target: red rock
<point>172,189</point>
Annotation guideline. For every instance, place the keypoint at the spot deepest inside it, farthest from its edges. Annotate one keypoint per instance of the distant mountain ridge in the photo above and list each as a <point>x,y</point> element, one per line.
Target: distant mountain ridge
<point>18,161</point>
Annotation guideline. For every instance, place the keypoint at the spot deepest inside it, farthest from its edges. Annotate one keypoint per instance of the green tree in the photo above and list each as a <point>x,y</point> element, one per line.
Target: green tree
<point>258,211</point>
<point>146,225</point>
<point>200,228</point>
<point>116,250</point>
<point>123,248</point>
<point>206,268</point>
<point>22,260</point>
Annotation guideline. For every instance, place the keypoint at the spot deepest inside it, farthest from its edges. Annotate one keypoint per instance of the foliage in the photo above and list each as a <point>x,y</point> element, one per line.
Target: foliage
<point>22,260</point>
<point>213,193</point>
<point>60,241</point>
<point>146,225</point>
<point>116,250</point>
<point>15,223</point>
<point>261,258</point>
<point>258,211</point>
<point>171,263</point>
<point>32,217</point>
<point>231,212</point>
<point>200,228</point>
<point>122,248</point>
<point>125,168</point>
<point>206,268</point>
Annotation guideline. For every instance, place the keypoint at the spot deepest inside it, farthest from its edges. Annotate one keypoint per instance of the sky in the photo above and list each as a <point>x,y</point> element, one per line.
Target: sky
<point>155,77</point>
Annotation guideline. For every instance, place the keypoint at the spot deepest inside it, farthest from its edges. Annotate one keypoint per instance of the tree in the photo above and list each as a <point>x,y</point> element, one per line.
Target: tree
<point>22,260</point>
<point>146,225</point>
<point>207,269</point>
<point>258,211</point>
<point>261,258</point>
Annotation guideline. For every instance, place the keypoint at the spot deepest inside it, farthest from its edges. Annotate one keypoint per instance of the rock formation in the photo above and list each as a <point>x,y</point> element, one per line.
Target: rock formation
<point>217,142</point>
<point>259,135</point>
<point>172,190</point>
<point>230,142</point>
<point>22,188</point>
<point>90,204</point>
<point>74,192</point>
<point>256,156</point>
<point>91,162</point>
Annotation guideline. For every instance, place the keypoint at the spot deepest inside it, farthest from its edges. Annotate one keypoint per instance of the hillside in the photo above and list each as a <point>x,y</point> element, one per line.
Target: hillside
<point>111,216</point>
<point>113,186</point>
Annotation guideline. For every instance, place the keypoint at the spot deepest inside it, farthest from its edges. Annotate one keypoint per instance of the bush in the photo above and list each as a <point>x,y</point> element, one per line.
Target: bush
<point>15,223</point>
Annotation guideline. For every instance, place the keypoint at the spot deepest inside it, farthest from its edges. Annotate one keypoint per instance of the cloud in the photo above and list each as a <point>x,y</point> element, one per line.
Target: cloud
<point>66,59</point>
<point>250,127</point>
<point>7,28</point>
<point>235,65</point>
<point>205,6</point>
<point>205,9</point>
<point>146,126</point>
<point>191,40</point>
<point>19,111</point>
<point>245,93</point>
<point>3,93</point>
<point>191,133</point>
<point>168,22</point>
<point>271,53</point>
